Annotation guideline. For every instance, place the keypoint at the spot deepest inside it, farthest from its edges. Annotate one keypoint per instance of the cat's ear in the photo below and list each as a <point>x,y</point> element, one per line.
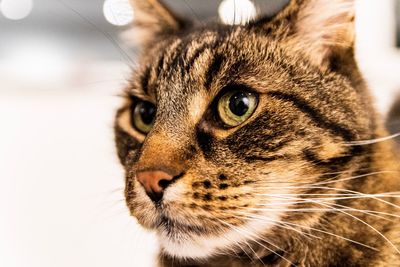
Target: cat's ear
<point>319,28</point>
<point>154,20</point>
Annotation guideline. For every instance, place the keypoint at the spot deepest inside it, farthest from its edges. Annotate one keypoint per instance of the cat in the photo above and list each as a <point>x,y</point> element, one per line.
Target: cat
<point>393,117</point>
<point>258,144</point>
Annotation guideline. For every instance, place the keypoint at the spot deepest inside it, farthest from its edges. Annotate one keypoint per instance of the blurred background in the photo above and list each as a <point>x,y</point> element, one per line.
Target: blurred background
<point>62,65</point>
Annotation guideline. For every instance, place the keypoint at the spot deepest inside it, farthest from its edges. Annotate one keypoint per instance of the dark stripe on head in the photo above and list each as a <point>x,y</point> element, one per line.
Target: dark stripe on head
<point>219,39</point>
<point>213,69</point>
<point>160,65</point>
<point>196,54</point>
<point>317,118</point>
<point>178,56</point>
<point>144,80</point>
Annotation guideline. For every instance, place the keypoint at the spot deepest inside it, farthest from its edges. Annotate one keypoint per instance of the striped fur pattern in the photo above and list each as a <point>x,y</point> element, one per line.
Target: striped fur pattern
<point>294,185</point>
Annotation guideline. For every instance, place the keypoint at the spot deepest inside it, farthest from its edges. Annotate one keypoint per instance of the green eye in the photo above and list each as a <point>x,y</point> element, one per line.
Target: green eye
<point>143,115</point>
<point>236,107</point>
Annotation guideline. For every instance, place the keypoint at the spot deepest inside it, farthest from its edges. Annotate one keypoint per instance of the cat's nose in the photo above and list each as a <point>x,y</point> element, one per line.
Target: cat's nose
<point>154,183</point>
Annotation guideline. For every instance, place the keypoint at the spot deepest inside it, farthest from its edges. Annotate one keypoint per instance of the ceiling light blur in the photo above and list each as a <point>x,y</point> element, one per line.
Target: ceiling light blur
<point>236,11</point>
<point>118,12</point>
<point>16,9</point>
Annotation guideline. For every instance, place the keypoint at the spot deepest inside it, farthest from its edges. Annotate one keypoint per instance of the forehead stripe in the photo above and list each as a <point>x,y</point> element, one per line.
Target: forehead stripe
<point>213,69</point>
<point>144,80</point>
<point>160,64</point>
<point>178,55</point>
<point>195,55</point>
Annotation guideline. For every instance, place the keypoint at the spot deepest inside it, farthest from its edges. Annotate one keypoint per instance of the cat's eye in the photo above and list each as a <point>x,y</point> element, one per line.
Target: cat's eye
<point>236,107</point>
<point>143,114</point>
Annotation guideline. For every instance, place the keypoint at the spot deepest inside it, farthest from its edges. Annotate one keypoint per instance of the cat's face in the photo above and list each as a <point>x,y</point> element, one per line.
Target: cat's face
<point>226,129</point>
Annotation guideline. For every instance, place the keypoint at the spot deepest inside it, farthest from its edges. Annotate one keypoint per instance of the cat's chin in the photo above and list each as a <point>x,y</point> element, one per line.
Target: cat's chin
<point>181,244</point>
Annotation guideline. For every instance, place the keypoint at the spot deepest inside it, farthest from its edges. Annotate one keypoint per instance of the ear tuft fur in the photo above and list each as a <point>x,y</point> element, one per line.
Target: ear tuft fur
<point>323,27</point>
<point>152,21</point>
<point>316,28</point>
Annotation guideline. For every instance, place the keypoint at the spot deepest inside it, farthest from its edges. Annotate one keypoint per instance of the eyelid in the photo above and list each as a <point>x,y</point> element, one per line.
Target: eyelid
<point>137,96</point>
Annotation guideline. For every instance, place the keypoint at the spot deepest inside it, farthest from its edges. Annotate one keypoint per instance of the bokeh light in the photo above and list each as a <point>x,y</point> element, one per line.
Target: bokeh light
<point>236,11</point>
<point>16,9</point>
<point>118,12</point>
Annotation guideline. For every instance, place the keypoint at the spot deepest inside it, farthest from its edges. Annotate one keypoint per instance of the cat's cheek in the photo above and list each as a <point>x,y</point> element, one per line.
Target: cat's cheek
<point>127,148</point>
<point>201,246</point>
<point>140,205</point>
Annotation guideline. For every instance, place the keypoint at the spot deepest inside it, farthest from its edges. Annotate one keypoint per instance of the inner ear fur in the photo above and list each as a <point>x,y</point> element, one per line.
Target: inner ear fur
<point>320,29</point>
<point>154,20</point>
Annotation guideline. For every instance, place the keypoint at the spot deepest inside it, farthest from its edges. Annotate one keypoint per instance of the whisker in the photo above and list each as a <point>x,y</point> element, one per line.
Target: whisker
<point>279,224</point>
<point>353,177</point>
<point>254,240</point>
<point>321,200</point>
<point>373,228</point>
<point>369,212</point>
<point>332,196</point>
<point>193,12</point>
<point>343,208</point>
<point>284,225</point>
<point>335,189</point>
<point>237,243</point>
<point>320,231</point>
<point>104,33</point>
<point>361,221</point>
<point>328,181</point>
<point>372,141</point>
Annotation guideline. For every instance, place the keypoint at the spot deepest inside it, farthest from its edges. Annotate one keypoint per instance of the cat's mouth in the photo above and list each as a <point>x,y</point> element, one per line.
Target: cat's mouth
<point>173,227</point>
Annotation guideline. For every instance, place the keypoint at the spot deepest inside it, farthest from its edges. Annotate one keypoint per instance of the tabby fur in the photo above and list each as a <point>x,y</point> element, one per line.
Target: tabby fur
<point>296,184</point>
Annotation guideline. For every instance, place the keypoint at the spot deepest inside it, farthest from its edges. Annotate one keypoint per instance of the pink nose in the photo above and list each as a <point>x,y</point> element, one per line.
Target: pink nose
<point>154,182</point>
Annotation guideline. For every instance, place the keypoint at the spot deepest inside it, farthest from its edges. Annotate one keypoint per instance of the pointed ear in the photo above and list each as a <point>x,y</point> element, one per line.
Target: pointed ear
<point>153,20</point>
<point>318,28</point>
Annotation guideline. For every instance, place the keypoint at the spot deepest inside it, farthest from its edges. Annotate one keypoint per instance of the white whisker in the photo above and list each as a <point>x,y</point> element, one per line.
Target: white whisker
<point>316,230</point>
<point>352,178</point>
<point>363,222</point>
<point>254,240</point>
<point>339,190</point>
<point>372,141</point>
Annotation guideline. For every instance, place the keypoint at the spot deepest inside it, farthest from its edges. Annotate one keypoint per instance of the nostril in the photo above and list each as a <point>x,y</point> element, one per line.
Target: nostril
<point>164,183</point>
<point>155,182</point>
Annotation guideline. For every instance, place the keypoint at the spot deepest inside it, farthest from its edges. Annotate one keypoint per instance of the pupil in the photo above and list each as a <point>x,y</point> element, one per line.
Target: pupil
<point>239,103</point>
<point>147,112</point>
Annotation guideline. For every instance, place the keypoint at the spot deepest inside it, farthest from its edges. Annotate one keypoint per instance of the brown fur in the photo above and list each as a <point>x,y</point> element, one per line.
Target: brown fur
<point>313,104</point>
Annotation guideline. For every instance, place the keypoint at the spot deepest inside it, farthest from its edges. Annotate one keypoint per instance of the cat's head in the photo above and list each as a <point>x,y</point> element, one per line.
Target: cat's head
<point>227,129</point>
